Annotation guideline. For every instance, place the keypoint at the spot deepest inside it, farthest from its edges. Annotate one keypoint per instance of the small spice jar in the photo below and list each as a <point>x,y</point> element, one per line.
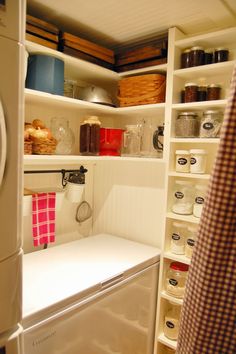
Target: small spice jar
<point>197,56</point>
<point>176,279</point>
<point>213,92</point>
<point>190,240</point>
<point>182,162</point>
<point>202,93</point>
<point>220,55</point>
<point>197,161</point>
<point>183,198</point>
<point>199,200</point>
<point>185,59</point>
<point>210,124</point>
<point>177,243</point>
<point>187,125</point>
<point>171,322</point>
<point>208,59</point>
<point>190,92</point>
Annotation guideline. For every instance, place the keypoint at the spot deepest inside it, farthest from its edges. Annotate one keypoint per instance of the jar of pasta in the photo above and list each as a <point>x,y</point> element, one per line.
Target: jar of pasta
<point>176,278</point>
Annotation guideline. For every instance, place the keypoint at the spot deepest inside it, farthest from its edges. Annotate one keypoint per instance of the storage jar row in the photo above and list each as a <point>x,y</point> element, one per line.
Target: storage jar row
<point>196,56</point>
<point>183,238</point>
<point>197,93</point>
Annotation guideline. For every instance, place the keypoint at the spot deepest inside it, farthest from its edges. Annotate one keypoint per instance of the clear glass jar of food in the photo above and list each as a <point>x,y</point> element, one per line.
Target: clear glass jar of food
<point>197,56</point>
<point>211,123</point>
<point>177,243</point>
<point>200,194</point>
<point>182,161</point>
<point>64,136</point>
<point>176,278</point>
<point>187,125</point>
<point>183,198</point>
<point>220,55</point>
<point>213,92</point>
<point>191,236</point>
<point>90,136</point>
<point>185,59</point>
<point>198,160</point>
<point>171,322</point>
<point>190,92</point>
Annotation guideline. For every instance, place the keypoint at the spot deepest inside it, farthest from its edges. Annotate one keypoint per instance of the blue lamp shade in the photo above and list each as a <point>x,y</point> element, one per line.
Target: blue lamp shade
<point>45,73</point>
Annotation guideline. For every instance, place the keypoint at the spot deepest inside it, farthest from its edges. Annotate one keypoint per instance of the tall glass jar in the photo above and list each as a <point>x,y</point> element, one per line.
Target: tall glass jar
<point>183,198</point>
<point>171,323</point>
<point>64,136</point>
<point>176,278</point>
<point>90,136</point>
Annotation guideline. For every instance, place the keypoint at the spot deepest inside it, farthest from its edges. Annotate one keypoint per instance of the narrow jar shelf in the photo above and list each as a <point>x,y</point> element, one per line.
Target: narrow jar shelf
<point>177,257</point>
<point>168,297</point>
<point>195,140</point>
<point>209,70</point>
<point>162,68</point>
<point>203,176</point>
<point>187,218</point>
<point>199,106</point>
<point>168,342</point>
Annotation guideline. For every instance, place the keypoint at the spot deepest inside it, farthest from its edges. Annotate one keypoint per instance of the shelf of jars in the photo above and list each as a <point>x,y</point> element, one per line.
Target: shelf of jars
<point>200,105</point>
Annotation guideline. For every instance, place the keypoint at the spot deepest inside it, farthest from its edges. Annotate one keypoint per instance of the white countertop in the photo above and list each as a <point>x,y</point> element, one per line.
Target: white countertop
<point>63,274</point>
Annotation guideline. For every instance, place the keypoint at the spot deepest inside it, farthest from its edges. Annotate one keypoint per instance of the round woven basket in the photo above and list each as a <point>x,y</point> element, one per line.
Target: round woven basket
<point>44,146</point>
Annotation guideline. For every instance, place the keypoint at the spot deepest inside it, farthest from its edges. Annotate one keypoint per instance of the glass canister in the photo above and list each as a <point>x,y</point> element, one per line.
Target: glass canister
<point>182,161</point>
<point>213,92</point>
<point>187,125</point>
<point>183,198</point>
<point>197,56</point>
<point>177,243</point>
<point>190,92</point>
<point>210,124</point>
<point>220,55</point>
<point>176,278</point>
<point>208,56</point>
<point>185,59</point>
<point>64,135</point>
<point>200,194</point>
<point>191,237</point>
<point>149,137</point>
<point>131,140</point>
<point>198,161</point>
<point>90,136</point>
<point>171,322</point>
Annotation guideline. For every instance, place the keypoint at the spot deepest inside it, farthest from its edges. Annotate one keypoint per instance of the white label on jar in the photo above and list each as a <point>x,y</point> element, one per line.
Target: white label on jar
<point>190,242</point>
<point>199,200</point>
<point>208,126</point>
<point>173,282</point>
<point>179,195</point>
<point>175,237</point>
<point>182,161</point>
<point>193,160</point>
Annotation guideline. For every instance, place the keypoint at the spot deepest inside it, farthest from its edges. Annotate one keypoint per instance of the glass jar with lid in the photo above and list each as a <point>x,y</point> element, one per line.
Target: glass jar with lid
<point>176,278</point>
<point>171,322</point>
<point>185,59</point>
<point>187,125</point>
<point>177,243</point>
<point>183,198</point>
<point>213,92</point>
<point>200,194</point>
<point>182,161</point>
<point>90,136</point>
<point>191,90</point>
<point>208,56</point>
<point>197,56</point>
<point>202,93</point>
<point>221,54</point>
<point>191,236</point>
<point>211,123</point>
<point>198,160</point>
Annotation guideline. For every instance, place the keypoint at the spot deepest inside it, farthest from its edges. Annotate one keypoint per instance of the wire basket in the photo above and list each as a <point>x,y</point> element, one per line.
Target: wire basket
<point>44,146</point>
<point>142,89</point>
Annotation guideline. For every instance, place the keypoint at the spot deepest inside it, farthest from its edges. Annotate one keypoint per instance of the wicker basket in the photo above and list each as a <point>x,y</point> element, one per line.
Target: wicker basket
<point>28,147</point>
<point>44,146</point>
<point>142,89</point>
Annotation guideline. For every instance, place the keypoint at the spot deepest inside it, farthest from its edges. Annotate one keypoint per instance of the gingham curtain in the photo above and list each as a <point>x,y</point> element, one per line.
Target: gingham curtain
<point>208,320</point>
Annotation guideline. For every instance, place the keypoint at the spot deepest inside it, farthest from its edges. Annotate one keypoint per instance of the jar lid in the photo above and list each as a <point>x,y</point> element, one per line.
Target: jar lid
<point>209,51</point>
<point>190,84</point>
<point>221,48</point>
<point>92,120</point>
<point>187,50</point>
<point>184,183</point>
<point>198,151</point>
<point>202,87</point>
<point>179,266</point>
<point>212,111</point>
<point>182,152</point>
<point>214,85</point>
<point>178,224</point>
<point>197,48</point>
<point>187,114</point>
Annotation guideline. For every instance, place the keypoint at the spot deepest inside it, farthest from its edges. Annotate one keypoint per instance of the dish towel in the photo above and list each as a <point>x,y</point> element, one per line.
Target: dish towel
<point>43,218</point>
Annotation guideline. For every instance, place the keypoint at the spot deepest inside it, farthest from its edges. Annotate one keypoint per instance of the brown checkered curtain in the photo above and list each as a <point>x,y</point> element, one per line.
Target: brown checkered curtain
<point>208,320</point>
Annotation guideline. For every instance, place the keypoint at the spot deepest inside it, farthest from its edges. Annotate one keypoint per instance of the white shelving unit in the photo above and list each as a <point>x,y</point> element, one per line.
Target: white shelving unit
<point>176,78</point>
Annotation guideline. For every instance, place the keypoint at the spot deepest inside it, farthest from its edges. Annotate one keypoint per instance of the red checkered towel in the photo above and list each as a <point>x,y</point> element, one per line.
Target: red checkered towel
<point>43,218</point>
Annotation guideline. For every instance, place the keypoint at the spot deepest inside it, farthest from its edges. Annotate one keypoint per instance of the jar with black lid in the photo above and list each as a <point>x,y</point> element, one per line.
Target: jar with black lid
<point>220,55</point>
<point>185,59</point>
<point>187,125</point>
<point>190,92</point>
<point>213,92</point>
<point>197,56</point>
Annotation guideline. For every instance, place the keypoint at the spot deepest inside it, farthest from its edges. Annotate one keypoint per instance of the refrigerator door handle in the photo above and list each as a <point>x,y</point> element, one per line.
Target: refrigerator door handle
<point>3,143</point>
